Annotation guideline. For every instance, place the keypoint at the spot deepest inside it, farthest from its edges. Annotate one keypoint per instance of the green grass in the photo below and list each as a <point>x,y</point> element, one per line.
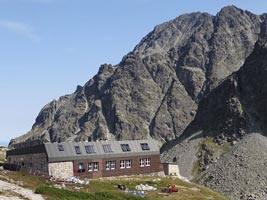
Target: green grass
<point>214,147</point>
<point>196,167</point>
<point>54,193</point>
<point>186,190</point>
<point>106,188</point>
<point>29,181</point>
<point>102,190</point>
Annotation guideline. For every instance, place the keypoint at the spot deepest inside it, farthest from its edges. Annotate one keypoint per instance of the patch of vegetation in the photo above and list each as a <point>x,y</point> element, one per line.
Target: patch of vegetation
<point>29,181</point>
<point>55,193</point>
<point>215,147</point>
<point>196,167</point>
<point>207,145</point>
<point>106,188</point>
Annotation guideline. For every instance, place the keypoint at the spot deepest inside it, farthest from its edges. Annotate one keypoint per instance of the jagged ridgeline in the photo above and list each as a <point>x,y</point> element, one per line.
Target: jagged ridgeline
<point>197,84</point>
<point>155,90</point>
<point>224,147</point>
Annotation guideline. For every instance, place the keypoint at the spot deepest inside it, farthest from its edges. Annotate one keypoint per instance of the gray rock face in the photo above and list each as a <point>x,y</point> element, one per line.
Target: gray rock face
<point>155,90</point>
<point>228,116</point>
<point>241,173</point>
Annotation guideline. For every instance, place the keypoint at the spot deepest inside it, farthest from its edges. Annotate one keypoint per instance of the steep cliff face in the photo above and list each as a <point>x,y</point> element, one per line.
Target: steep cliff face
<point>224,145</point>
<point>154,91</point>
<point>237,105</point>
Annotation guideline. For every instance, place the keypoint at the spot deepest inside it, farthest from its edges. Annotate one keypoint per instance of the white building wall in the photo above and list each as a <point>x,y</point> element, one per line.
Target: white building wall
<point>171,169</point>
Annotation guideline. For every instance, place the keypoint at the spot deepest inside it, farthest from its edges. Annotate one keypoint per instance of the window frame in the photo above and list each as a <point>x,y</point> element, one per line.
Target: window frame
<point>107,165</point>
<point>112,164</point>
<point>122,164</point>
<point>107,148</point>
<point>142,162</point>
<point>145,146</point>
<point>60,147</point>
<point>89,149</point>
<point>125,147</point>
<point>128,164</point>
<point>77,149</point>
<point>147,162</point>
<point>91,167</point>
<point>95,166</point>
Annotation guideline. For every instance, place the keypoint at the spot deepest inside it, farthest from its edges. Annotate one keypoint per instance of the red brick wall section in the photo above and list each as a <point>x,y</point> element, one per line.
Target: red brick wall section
<point>155,166</point>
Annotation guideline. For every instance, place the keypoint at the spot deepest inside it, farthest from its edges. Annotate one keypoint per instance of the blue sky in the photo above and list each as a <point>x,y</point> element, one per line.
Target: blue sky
<point>48,47</point>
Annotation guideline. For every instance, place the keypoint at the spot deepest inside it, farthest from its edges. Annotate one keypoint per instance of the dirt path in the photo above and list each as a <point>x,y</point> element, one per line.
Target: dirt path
<point>13,192</point>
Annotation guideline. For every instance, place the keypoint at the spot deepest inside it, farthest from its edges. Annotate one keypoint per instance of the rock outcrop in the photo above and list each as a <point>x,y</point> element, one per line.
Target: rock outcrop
<point>221,145</point>
<point>154,91</point>
<point>182,85</point>
<point>240,173</point>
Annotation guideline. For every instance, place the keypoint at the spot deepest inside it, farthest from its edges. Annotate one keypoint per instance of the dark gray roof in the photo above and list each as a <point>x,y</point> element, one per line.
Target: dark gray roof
<point>69,153</point>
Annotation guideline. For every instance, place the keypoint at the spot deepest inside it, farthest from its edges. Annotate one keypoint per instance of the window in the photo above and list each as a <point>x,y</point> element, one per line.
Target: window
<point>89,149</point>
<point>110,165</point>
<point>77,149</point>
<point>107,148</point>
<point>145,146</point>
<point>125,164</point>
<point>113,165</point>
<point>142,162</point>
<point>90,167</point>
<point>60,147</point>
<point>128,163</point>
<point>122,164</point>
<point>93,166</point>
<point>125,147</point>
<point>107,165</point>
<point>147,161</point>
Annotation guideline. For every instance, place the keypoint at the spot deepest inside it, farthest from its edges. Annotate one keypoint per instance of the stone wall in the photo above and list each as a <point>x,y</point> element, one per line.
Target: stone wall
<point>60,170</point>
<point>30,162</point>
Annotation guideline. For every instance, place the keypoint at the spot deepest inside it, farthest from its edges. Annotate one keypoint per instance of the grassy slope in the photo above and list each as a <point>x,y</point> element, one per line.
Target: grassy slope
<point>107,188</point>
<point>213,147</point>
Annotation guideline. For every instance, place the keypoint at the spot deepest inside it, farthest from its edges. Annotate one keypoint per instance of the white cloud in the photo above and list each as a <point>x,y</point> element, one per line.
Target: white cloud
<point>21,29</point>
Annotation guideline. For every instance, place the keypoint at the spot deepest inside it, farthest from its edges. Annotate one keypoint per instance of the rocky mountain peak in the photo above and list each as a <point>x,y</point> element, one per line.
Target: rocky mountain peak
<point>262,41</point>
<point>197,84</point>
<point>229,10</point>
<point>220,148</point>
<point>155,90</point>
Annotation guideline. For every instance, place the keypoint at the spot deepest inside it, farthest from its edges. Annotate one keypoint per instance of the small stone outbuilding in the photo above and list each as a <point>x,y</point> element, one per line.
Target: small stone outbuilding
<point>171,169</point>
